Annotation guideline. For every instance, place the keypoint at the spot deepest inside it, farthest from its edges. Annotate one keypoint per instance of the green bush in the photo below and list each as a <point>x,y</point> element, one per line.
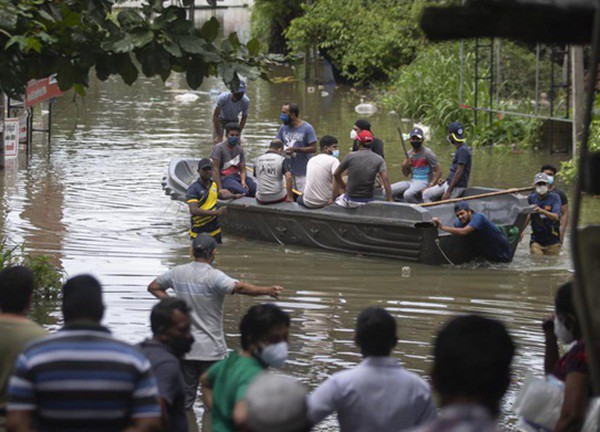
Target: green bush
<point>269,20</point>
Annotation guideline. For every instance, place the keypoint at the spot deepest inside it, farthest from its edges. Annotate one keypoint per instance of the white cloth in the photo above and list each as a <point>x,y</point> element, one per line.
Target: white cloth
<point>299,183</point>
<point>377,395</point>
<point>344,201</point>
<point>319,180</point>
<point>204,289</point>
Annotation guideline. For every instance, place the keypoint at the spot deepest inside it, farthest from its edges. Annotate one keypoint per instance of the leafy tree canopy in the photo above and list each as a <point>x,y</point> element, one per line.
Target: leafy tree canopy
<point>70,37</point>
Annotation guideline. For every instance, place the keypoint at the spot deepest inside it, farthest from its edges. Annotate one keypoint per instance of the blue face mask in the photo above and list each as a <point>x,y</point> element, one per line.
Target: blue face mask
<point>233,141</point>
<point>335,153</point>
<point>284,118</point>
<point>550,180</point>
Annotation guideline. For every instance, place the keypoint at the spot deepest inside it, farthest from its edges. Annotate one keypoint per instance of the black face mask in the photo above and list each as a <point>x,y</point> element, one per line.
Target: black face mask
<point>416,144</point>
<point>181,346</point>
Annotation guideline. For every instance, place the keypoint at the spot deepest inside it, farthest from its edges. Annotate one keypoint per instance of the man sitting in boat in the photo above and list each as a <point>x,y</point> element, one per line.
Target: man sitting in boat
<point>319,175</point>
<point>545,222</point>
<point>270,169</point>
<point>201,198</point>
<point>422,164</point>
<point>486,237</point>
<point>229,160</point>
<point>359,126</point>
<point>362,166</point>
<point>458,177</point>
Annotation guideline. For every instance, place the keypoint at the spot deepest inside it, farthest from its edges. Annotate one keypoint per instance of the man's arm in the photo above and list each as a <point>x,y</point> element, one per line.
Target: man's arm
<point>386,186</point>
<point>453,230</point>
<point>564,221</point>
<point>240,415</point>
<point>157,291</point>
<point>322,401</point>
<point>550,215</point>
<point>195,210</point>
<point>243,174</point>
<point>311,148</point>
<point>574,405</point>
<point>216,125</point>
<point>437,174</point>
<point>207,391</point>
<point>20,421</point>
<point>338,183</point>
<point>289,186</point>
<point>216,173</point>
<point>243,121</point>
<point>551,355</point>
<point>457,176</point>
<point>406,165</point>
<point>254,290</point>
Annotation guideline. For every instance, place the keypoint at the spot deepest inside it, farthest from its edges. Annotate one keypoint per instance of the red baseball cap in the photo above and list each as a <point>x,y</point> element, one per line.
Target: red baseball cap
<point>365,136</point>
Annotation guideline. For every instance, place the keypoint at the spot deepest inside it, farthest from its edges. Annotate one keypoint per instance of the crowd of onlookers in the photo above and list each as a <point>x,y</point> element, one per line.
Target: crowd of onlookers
<point>82,378</point>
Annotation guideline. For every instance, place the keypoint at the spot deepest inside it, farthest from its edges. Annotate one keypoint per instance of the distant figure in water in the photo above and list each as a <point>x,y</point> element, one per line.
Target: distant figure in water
<point>486,238</point>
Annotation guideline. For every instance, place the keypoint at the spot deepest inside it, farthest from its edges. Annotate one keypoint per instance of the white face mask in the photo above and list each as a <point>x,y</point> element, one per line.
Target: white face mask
<point>542,190</point>
<point>335,153</point>
<point>353,134</point>
<point>275,354</point>
<point>562,332</point>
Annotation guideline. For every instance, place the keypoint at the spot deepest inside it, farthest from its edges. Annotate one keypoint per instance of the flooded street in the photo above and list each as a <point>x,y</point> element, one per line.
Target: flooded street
<point>93,200</point>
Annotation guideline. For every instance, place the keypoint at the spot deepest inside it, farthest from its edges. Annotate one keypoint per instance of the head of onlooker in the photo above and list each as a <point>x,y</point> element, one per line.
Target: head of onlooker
<point>375,332</point>
<point>205,169</point>
<point>463,212</point>
<point>171,325</point>
<point>204,248</point>
<point>277,404</point>
<point>264,333</point>
<point>359,126</point>
<point>329,145</point>
<point>416,138</point>
<point>471,365</point>
<point>456,134</point>
<point>232,134</point>
<point>365,139</point>
<point>82,300</point>
<point>550,171</point>
<point>237,93</point>
<point>16,290</point>
<point>540,182</point>
<point>276,146</point>
<point>290,113</point>
<point>566,324</point>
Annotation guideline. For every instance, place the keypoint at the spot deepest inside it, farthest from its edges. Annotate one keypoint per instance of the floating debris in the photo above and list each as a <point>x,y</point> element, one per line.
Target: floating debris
<point>187,98</point>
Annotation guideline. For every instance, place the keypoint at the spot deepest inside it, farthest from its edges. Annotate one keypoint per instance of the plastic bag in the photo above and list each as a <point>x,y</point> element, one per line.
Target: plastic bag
<point>539,403</point>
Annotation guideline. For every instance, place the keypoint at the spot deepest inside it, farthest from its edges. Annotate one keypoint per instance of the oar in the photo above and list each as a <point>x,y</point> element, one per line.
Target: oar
<point>485,195</point>
<point>297,192</point>
<point>397,119</point>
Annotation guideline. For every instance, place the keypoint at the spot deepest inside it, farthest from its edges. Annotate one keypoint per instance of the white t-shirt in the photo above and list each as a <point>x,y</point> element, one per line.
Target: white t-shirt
<point>319,180</point>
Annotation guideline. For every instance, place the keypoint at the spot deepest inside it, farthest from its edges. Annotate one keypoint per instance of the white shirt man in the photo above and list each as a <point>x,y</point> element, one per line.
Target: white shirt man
<point>319,174</point>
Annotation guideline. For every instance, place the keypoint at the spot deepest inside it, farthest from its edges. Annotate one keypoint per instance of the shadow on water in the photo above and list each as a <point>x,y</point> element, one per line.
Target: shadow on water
<point>94,202</point>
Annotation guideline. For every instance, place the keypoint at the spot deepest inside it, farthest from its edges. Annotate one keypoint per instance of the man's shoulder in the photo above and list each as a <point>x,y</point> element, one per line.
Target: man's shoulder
<point>196,186</point>
<point>428,151</point>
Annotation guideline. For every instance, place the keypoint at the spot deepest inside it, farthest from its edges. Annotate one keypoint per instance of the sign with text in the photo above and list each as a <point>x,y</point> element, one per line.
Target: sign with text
<point>11,137</point>
<point>41,90</point>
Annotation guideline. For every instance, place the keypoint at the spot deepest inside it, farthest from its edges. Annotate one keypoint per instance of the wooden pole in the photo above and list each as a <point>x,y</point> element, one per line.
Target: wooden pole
<point>473,197</point>
<point>578,98</point>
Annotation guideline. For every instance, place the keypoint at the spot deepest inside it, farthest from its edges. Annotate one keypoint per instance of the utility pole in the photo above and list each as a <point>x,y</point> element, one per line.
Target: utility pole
<point>2,115</point>
<point>578,99</point>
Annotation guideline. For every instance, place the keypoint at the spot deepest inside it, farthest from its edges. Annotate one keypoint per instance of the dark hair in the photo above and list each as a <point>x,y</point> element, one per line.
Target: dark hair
<point>548,167</point>
<point>375,332</point>
<point>204,253</point>
<point>363,124</point>
<point>293,108</point>
<point>161,316</point>
<point>16,286</point>
<point>232,126</point>
<point>259,320</point>
<point>276,144</point>
<point>327,141</point>
<point>563,299</point>
<point>472,357</point>
<point>82,299</point>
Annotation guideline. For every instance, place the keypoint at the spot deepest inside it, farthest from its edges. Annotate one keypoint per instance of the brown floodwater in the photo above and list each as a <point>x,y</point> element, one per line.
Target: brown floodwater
<point>93,201</point>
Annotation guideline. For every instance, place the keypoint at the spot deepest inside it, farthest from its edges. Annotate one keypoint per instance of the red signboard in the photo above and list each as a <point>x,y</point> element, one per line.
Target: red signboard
<point>41,90</point>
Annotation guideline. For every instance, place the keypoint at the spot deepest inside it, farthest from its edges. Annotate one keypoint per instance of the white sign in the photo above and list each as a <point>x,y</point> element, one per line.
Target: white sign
<point>11,137</point>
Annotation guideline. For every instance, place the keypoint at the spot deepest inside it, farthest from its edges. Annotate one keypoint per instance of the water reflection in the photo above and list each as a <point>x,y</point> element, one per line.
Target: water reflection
<point>94,202</point>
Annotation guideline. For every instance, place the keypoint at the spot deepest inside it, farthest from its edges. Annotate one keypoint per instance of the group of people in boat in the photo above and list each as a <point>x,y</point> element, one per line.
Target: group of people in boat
<point>287,172</point>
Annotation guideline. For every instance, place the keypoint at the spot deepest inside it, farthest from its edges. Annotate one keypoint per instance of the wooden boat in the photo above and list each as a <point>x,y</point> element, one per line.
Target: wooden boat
<point>392,230</point>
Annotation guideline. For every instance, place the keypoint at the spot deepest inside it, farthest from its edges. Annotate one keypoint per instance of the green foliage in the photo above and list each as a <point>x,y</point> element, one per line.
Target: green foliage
<point>69,38</point>
<point>365,40</point>
<point>269,20</point>
<point>428,90</point>
<point>48,278</point>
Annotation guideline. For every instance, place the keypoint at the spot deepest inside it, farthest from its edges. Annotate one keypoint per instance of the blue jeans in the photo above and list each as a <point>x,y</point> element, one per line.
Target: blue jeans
<point>233,183</point>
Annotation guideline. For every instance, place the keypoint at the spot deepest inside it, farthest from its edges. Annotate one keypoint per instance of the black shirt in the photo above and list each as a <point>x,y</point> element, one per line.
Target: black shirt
<point>377,147</point>
<point>563,196</point>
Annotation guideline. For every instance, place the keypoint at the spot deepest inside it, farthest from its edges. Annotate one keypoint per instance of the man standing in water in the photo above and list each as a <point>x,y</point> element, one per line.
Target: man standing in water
<point>545,222</point>
<point>201,198</point>
<point>204,288</point>
<point>227,110</point>
<point>300,140</point>
<point>551,171</point>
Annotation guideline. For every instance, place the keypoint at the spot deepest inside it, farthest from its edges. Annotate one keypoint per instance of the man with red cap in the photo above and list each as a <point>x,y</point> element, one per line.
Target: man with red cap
<point>363,166</point>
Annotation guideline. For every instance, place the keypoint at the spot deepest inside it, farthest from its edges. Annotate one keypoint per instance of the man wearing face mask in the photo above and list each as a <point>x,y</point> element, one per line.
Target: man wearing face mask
<point>545,222</point>
<point>422,164</point>
<point>300,140</point>
<point>204,288</point>
<point>319,175</point>
<point>229,160</point>
<point>228,108</point>
<point>172,338</point>
<point>550,171</point>
<point>271,169</point>
<point>359,126</point>
<point>264,339</point>
<point>458,177</point>
<point>572,368</point>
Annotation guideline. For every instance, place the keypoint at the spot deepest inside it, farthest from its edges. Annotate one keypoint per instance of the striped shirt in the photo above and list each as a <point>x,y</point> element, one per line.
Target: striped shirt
<point>81,378</point>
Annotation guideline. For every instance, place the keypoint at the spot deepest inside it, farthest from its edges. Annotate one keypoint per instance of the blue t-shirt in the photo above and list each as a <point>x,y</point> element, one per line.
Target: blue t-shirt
<point>487,238</point>
<point>543,230</point>
<point>462,156</point>
<point>302,136</point>
<point>230,109</point>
